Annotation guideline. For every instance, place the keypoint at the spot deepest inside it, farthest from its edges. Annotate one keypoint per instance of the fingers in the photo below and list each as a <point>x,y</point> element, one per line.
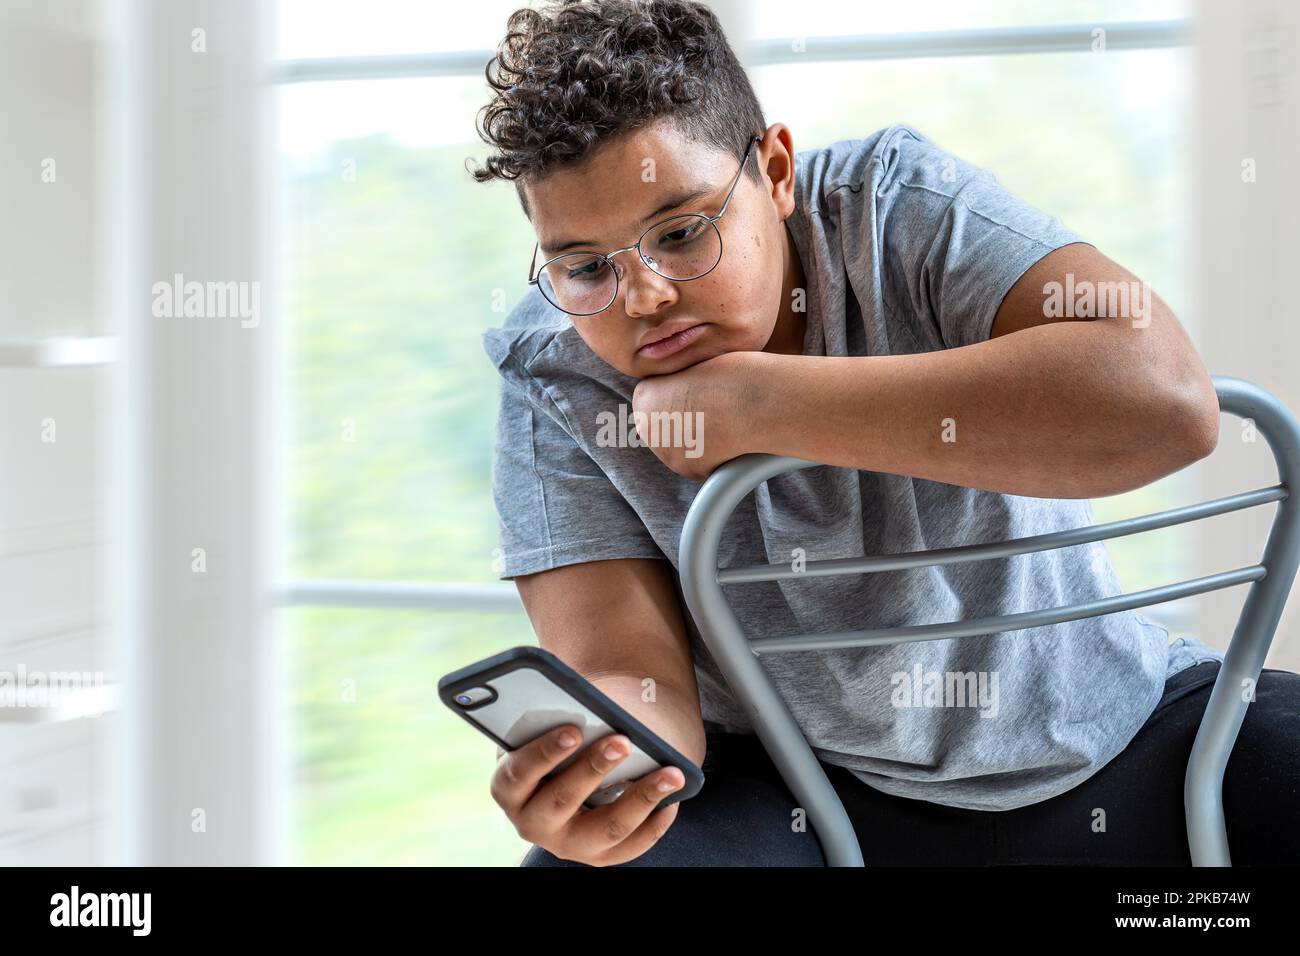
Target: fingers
<point>560,798</point>
<point>643,837</point>
<point>627,823</point>
<point>551,813</point>
<point>520,771</point>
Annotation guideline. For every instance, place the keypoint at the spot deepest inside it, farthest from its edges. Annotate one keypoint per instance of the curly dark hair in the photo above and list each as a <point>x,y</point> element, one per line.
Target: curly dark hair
<point>575,73</point>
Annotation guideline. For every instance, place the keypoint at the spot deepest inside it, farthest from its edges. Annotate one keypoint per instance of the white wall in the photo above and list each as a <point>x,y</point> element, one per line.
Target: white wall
<point>190,157</point>
<point>1249,246</point>
<point>49,520</point>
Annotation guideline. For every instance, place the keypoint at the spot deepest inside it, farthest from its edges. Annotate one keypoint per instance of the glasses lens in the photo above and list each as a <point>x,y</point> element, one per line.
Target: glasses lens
<point>580,283</point>
<point>685,247</point>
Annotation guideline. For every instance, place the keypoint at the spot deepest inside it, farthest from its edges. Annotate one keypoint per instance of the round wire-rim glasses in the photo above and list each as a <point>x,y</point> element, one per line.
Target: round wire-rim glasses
<point>535,273</point>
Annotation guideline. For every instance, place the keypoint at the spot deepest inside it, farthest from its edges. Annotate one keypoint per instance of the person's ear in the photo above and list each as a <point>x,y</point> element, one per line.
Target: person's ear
<point>776,160</point>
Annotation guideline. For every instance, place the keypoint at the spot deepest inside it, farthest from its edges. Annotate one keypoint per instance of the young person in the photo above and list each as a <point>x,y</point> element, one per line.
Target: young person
<point>881,307</point>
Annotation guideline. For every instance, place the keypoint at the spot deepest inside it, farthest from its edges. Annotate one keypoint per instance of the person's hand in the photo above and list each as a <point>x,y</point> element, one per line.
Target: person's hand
<point>696,419</point>
<point>551,815</point>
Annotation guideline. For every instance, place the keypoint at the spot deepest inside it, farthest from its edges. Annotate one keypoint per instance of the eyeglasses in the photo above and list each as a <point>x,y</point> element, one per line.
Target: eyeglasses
<point>681,248</point>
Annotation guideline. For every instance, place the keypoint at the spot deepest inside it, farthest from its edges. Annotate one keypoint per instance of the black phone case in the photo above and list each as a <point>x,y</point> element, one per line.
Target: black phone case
<point>582,691</point>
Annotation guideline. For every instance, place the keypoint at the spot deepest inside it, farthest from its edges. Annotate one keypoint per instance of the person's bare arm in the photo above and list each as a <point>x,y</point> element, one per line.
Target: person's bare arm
<point>1049,406</point>
<point>619,624</point>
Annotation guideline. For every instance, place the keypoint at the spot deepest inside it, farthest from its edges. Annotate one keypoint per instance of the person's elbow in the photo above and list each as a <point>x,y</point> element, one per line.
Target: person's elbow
<point>1174,424</point>
<point>1192,420</point>
<point>1177,428</point>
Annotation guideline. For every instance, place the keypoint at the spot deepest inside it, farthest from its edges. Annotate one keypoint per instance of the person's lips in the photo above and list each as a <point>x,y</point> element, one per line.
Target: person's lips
<point>668,338</point>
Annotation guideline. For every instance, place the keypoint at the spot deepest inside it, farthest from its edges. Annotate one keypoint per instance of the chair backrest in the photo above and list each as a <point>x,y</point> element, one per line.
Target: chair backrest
<point>737,656</point>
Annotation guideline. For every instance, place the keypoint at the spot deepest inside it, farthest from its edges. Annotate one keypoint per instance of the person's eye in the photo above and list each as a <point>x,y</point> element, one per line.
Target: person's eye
<point>684,234</point>
<point>590,270</point>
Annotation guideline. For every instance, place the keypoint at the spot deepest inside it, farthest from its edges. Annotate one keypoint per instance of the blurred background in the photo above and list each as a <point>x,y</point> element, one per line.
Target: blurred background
<point>267,530</point>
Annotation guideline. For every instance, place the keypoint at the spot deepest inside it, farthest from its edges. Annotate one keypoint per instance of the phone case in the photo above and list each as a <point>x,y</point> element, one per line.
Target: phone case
<point>533,691</point>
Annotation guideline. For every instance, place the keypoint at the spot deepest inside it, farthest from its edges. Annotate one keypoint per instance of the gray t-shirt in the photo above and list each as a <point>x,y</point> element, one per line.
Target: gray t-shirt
<point>906,249</point>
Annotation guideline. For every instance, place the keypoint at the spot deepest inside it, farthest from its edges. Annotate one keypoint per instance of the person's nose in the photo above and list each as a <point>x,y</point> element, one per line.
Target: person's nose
<point>645,292</point>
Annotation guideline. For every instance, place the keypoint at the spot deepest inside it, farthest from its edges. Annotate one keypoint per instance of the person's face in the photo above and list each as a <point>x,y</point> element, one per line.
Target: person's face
<point>607,202</point>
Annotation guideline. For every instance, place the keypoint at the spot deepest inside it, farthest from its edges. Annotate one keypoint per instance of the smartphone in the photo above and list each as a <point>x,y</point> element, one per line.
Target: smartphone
<point>518,695</point>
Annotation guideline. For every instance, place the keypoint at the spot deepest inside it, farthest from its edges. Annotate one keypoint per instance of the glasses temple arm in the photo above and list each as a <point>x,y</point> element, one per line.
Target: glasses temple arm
<point>736,182</point>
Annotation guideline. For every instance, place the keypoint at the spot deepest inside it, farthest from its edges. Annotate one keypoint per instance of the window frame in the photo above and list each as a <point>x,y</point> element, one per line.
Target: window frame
<point>997,41</point>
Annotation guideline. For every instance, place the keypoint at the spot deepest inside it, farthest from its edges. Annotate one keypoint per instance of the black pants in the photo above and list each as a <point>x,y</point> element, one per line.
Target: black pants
<point>742,817</point>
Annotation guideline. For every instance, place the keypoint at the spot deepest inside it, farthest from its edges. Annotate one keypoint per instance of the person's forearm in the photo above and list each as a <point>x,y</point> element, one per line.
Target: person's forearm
<point>670,714</point>
<point>1057,411</point>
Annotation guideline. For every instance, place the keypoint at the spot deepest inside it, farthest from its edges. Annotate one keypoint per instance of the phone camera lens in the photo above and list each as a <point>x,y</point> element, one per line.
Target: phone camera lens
<point>476,696</point>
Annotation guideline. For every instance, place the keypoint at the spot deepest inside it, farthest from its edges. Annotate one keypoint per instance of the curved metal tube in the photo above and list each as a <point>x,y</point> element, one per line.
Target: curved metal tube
<point>785,742</point>
<point>754,690</point>
<point>1207,833</point>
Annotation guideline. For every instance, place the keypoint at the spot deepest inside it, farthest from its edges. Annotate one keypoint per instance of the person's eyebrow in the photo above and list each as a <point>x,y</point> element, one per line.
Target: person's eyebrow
<point>673,202</point>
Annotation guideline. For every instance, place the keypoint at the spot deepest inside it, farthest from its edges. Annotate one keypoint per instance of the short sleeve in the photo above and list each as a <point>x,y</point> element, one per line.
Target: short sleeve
<point>555,505</point>
<point>954,241</point>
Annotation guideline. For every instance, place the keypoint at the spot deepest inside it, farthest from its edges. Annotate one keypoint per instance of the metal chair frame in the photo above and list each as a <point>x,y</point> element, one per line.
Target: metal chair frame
<point>738,656</point>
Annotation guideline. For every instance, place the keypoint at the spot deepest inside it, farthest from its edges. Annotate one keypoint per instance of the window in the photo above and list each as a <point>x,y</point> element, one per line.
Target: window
<point>394,261</point>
